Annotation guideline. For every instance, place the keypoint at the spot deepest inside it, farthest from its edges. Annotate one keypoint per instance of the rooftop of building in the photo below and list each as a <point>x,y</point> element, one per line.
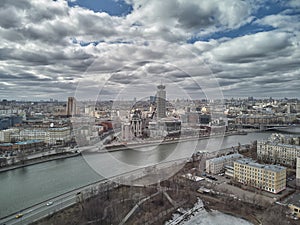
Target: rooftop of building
<point>6,144</point>
<point>229,167</point>
<point>250,162</point>
<point>294,199</point>
<point>274,143</point>
<point>21,143</point>
<point>12,129</point>
<point>255,116</point>
<point>225,157</point>
<point>28,142</point>
<point>59,128</point>
<point>169,119</point>
<point>161,86</point>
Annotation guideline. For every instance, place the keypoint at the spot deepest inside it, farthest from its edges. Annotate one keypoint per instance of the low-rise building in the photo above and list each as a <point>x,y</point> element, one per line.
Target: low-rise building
<point>52,135</point>
<point>217,165</point>
<point>271,178</point>
<point>293,202</point>
<point>23,145</point>
<point>58,135</point>
<point>165,127</point>
<point>8,121</point>
<point>229,171</point>
<point>6,147</point>
<point>246,119</point>
<point>8,134</point>
<point>133,128</point>
<point>125,131</point>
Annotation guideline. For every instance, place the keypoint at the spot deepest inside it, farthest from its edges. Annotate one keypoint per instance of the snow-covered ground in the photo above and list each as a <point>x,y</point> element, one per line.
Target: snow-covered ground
<point>199,216</point>
<point>215,218</point>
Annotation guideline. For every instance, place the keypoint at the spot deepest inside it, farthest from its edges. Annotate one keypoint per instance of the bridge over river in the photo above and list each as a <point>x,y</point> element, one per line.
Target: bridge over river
<point>287,128</point>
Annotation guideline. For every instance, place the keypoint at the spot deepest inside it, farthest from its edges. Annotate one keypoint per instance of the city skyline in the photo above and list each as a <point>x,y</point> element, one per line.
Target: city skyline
<point>249,48</point>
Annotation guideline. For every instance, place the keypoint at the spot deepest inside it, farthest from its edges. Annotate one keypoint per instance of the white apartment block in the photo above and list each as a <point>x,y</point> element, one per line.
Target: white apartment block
<point>125,131</point>
<point>50,136</point>
<point>298,172</point>
<point>278,153</point>
<point>7,135</point>
<point>59,135</point>
<point>271,178</point>
<point>217,165</point>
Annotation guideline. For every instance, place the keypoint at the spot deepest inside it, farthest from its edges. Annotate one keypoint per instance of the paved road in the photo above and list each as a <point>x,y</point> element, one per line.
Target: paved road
<point>41,210</point>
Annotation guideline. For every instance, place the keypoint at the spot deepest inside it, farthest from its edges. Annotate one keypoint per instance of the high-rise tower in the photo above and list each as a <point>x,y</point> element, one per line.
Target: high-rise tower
<point>71,106</point>
<point>161,101</point>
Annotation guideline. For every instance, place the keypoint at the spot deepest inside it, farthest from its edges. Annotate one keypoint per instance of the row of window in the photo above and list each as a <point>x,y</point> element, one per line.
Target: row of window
<point>271,188</point>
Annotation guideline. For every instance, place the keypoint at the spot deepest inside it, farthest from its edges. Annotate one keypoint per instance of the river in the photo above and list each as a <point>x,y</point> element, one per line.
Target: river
<point>21,188</point>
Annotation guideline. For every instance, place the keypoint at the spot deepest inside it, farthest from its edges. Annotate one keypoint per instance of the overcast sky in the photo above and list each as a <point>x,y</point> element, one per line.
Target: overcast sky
<point>54,49</point>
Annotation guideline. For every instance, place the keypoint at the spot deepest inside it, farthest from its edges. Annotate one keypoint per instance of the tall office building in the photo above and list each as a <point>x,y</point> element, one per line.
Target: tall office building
<point>71,106</point>
<point>161,101</point>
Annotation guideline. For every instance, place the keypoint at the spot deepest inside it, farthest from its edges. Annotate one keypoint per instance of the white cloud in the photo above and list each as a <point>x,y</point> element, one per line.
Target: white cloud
<point>294,3</point>
<point>281,21</point>
<point>251,48</point>
<point>190,16</point>
<point>40,46</point>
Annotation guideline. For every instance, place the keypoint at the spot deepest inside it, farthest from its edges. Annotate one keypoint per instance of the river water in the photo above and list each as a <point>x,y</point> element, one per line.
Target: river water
<point>21,188</point>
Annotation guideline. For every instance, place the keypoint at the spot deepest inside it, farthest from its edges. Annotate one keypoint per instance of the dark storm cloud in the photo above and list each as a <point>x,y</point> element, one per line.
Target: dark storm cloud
<point>227,82</point>
<point>178,75</point>
<point>45,57</point>
<point>9,18</point>
<point>273,79</point>
<point>48,33</point>
<point>122,78</point>
<point>193,17</point>
<point>22,4</point>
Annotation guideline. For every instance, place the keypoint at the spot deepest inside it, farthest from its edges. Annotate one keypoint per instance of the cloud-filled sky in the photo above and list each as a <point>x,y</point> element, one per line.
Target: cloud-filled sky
<point>55,49</point>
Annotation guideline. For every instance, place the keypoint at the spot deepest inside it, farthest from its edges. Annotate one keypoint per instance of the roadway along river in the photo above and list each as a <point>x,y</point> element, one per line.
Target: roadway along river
<point>27,186</point>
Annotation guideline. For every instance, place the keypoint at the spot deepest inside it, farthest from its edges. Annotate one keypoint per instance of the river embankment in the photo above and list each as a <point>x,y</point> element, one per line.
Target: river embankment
<point>40,159</point>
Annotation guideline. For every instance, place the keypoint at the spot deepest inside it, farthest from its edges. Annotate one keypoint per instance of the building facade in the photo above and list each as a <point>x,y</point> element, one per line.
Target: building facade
<point>274,152</point>
<point>133,128</point>
<point>8,135</point>
<point>264,119</point>
<point>9,121</point>
<point>294,204</point>
<point>51,136</point>
<point>58,135</point>
<point>71,106</point>
<point>136,126</point>
<point>164,128</point>
<point>125,131</point>
<point>298,173</point>
<point>217,165</point>
<point>161,101</point>
<point>271,178</point>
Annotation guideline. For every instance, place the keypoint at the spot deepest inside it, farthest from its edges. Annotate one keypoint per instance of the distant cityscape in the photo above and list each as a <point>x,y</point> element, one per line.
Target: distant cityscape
<point>34,132</point>
<point>52,122</point>
<point>149,112</point>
